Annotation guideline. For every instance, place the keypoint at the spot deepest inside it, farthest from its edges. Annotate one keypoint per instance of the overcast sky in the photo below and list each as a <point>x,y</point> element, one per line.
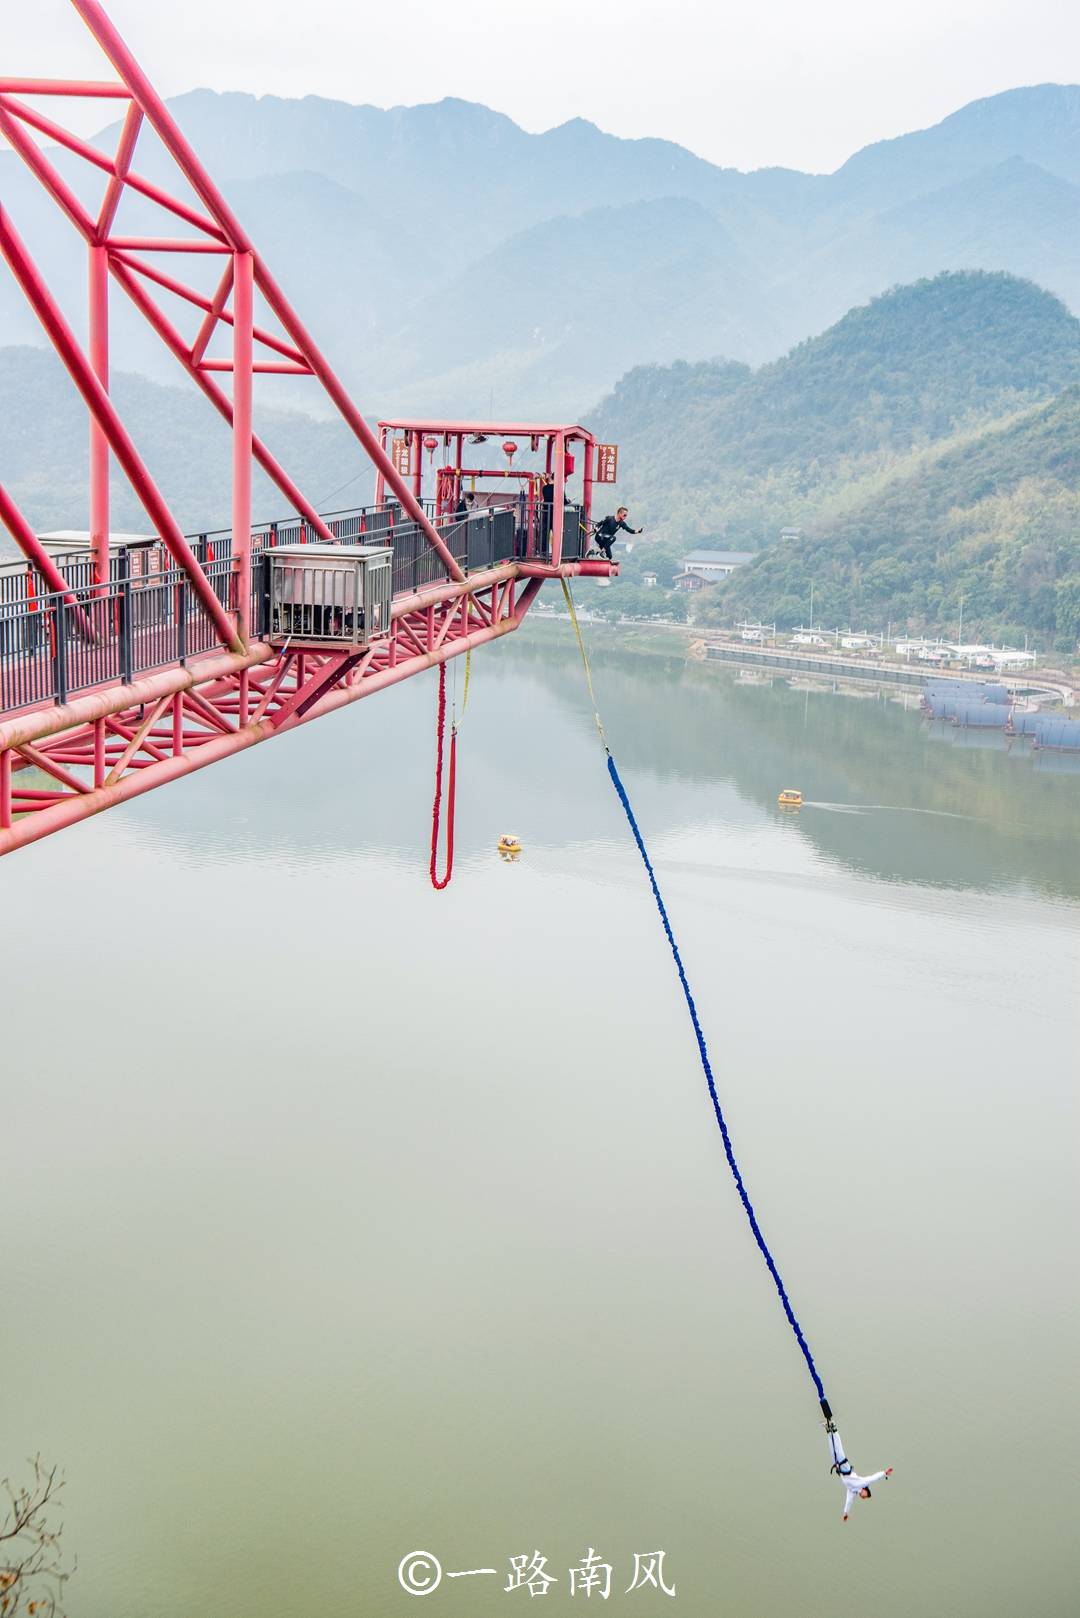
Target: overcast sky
<point>797,82</point>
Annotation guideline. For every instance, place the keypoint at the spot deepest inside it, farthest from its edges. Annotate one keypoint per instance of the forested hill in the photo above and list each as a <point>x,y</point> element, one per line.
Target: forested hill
<point>915,365</point>
<point>903,431</point>
<point>994,522</point>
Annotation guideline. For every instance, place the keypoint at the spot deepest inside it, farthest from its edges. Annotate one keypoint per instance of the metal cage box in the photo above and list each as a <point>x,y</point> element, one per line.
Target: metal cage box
<point>330,595</point>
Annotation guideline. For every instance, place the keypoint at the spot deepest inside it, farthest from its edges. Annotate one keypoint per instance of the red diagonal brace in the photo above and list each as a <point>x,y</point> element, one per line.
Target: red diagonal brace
<point>104,412</point>
<point>220,400</point>
<point>35,553</point>
<point>169,133</point>
<point>330,674</point>
<point>125,150</point>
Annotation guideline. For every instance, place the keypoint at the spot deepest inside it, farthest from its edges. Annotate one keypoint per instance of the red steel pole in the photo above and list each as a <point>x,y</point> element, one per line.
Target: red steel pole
<point>150,272</point>
<point>66,812</point>
<point>125,151</point>
<point>243,300</point>
<point>99,444</point>
<point>171,137</point>
<point>31,547</point>
<point>221,401</point>
<point>100,405</point>
<point>213,314</point>
<point>380,481</point>
<point>303,340</point>
<point>65,87</point>
<point>587,483</point>
<point>46,175</point>
<point>36,554</point>
<point>558,504</point>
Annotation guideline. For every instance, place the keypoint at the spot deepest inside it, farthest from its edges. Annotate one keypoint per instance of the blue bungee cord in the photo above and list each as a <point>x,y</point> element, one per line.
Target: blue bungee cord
<point>703,1050</point>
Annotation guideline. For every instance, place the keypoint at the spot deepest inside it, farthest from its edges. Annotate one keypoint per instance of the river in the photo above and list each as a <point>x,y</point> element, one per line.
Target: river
<point>344,1219</point>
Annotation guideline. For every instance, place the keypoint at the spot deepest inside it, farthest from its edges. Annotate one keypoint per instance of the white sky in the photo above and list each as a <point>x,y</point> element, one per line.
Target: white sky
<point>798,82</point>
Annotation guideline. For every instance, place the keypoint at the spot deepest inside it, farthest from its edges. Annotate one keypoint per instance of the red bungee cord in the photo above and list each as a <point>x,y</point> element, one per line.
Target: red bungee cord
<point>451,791</point>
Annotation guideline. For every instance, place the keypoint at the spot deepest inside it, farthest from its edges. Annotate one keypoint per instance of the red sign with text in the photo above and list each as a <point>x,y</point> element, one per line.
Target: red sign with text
<point>401,456</point>
<point>607,463</point>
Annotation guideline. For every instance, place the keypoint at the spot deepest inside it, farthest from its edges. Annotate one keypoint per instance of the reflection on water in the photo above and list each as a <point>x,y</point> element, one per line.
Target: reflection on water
<point>345,1219</point>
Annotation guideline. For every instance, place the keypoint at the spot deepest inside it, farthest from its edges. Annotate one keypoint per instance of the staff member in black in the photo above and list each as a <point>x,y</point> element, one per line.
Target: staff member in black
<point>547,499</point>
<point>608,528</point>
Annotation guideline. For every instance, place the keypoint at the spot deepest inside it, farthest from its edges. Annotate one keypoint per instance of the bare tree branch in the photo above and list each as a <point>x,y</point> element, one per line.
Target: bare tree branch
<point>32,1571</point>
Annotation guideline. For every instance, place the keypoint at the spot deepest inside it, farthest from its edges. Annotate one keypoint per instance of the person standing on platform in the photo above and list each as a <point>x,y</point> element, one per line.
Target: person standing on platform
<point>607,530</point>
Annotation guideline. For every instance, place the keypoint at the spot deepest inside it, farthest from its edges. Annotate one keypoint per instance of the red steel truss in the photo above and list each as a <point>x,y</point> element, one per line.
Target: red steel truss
<point>118,740</point>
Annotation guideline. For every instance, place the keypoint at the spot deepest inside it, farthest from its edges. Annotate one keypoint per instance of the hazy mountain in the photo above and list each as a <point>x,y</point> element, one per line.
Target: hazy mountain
<point>442,254</point>
<point>1013,216</point>
<point>1040,123</point>
<point>916,365</point>
<point>571,300</point>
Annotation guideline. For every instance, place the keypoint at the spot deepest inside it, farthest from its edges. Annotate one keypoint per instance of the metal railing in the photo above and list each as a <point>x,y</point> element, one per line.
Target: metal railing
<point>54,645</point>
<point>147,616</point>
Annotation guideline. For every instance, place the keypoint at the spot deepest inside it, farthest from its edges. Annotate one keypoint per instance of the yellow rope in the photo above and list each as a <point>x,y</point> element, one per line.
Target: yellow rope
<point>455,717</point>
<point>585,661</point>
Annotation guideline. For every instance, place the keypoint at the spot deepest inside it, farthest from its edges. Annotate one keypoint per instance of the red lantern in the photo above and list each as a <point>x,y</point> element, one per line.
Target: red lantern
<point>510,450</point>
<point>431,445</point>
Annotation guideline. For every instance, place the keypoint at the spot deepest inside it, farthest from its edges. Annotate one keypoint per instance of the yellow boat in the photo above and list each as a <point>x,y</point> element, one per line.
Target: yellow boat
<point>790,798</point>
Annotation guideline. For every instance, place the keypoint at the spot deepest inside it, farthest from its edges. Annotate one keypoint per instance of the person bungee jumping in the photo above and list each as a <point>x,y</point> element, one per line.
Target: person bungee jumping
<point>608,528</point>
<point>856,1487</point>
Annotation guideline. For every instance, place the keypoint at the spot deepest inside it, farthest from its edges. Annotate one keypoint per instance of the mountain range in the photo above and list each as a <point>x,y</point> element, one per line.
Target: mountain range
<point>450,261</point>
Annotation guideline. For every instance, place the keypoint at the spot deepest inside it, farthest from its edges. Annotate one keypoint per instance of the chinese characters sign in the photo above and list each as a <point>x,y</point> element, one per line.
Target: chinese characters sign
<point>401,455</point>
<point>607,463</point>
<point>421,1573</point>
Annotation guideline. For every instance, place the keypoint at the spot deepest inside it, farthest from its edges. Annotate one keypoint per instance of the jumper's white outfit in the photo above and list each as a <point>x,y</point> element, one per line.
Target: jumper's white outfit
<point>853,1481</point>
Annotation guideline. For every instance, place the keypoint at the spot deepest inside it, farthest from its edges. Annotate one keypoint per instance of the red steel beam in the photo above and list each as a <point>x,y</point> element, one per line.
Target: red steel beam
<point>263,367</point>
<point>36,554</point>
<point>168,244</point>
<point>214,306</point>
<point>125,151</point>
<point>115,167</point>
<point>101,406</point>
<point>46,175</point>
<point>52,719</point>
<point>66,87</point>
<point>171,284</point>
<point>304,341</point>
<point>56,132</point>
<point>57,815</point>
<point>172,138</point>
<point>243,305</point>
<point>98,309</point>
<point>220,400</point>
